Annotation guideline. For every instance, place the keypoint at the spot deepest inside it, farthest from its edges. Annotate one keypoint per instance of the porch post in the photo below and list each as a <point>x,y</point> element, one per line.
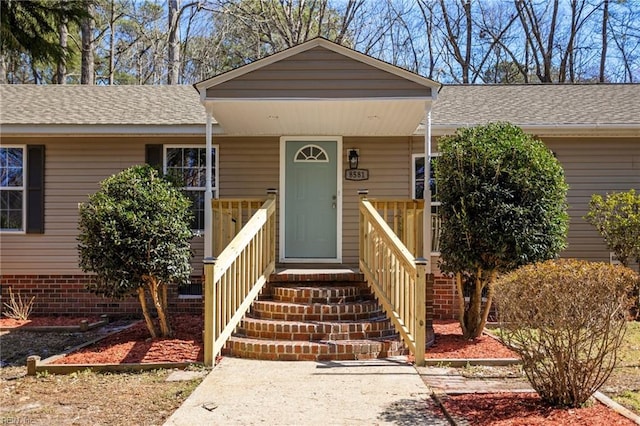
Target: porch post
<point>208,230</point>
<point>426,248</point>
<point>428,226</point>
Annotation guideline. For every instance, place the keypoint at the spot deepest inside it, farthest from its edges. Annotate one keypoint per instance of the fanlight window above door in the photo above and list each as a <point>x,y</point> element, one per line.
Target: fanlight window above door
<point>311,153</point>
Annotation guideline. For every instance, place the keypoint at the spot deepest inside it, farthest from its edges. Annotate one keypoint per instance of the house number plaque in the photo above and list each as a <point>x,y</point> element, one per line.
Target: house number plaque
<point>356,174</point>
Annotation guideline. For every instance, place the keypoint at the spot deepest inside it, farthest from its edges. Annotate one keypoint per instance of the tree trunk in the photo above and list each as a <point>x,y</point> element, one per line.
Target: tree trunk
<point>173,54</point>
<point>473,316</point>
<point>145,312</point>
<point>158,297</point>
<point>112,41</point>
<point>61,73</point>
<point>603,54</point>
<point>87,73</point>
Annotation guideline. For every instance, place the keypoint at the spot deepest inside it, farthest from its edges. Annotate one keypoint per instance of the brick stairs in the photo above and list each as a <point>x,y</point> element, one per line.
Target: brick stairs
<point>315,317</point>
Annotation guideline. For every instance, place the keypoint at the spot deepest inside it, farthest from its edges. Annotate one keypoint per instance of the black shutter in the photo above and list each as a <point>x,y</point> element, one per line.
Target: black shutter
<point>35,189</point>
<point>153,156</point>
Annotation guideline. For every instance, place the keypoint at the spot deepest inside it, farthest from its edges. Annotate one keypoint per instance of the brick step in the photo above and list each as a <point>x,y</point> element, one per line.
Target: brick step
<point>355,311</point>
<point>318,294</point>
<point>282,350</point>
<point>308,331</point>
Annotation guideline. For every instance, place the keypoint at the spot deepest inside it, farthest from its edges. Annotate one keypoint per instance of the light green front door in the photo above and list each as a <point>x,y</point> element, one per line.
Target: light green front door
<point>311,200</point>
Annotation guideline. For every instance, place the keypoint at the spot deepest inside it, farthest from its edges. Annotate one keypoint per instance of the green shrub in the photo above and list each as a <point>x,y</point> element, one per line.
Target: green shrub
<point>566,319</point>
<point>503,199</point>
<point>135,236</point>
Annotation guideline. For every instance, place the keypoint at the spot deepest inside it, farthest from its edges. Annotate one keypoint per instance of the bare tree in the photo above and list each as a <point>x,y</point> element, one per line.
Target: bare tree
<point>603,54</point>
<point>173,42</point>
<point>87,72</point>
<point>61,73</point>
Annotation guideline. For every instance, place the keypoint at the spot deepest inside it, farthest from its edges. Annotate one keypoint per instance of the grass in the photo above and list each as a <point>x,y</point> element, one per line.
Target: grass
<point>625,379</point>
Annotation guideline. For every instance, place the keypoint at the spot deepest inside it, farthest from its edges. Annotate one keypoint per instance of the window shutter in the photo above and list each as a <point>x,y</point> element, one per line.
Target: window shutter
<point>35,189</point>
<point>153,156</point>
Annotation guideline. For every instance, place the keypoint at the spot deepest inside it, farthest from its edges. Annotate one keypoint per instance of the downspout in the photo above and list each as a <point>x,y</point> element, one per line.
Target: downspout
<point>208,231</point>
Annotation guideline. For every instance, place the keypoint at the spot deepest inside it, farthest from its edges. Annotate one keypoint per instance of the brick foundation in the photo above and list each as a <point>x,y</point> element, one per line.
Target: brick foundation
<point>445,305</point>
<point>66,295</point>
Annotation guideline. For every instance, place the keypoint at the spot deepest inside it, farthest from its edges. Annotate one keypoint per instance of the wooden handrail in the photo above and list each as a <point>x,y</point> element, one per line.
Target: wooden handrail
<point>397,278</point>
<point>236,277</point>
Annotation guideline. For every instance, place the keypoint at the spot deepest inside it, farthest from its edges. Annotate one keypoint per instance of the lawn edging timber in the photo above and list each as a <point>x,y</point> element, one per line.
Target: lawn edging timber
<point>35,366</point>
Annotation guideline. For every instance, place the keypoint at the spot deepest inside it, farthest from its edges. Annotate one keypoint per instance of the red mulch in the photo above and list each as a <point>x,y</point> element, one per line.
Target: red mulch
<point>511,409</point>
<point>134,345</point>
<point>46,321</point>
<point>450,344</point>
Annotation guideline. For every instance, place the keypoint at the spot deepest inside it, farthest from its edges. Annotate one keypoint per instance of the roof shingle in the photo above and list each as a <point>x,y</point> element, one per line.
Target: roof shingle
<point>457,105</point>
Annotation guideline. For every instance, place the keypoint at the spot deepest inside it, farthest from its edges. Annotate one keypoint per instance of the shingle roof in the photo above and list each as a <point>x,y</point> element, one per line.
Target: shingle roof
<point>101,105</point>
<point>457,105</point>
<point>538,104</point>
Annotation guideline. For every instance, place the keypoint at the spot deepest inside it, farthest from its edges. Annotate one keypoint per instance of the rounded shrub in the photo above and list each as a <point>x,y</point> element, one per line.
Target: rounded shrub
<point>566,319</point>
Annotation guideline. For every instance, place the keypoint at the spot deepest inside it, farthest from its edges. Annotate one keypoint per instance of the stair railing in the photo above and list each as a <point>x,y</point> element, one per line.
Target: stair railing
<point>236,277</point>
<point>397,278</point>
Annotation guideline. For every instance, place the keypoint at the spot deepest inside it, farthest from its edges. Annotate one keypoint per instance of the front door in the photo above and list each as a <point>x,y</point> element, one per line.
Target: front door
<point>311,200</point>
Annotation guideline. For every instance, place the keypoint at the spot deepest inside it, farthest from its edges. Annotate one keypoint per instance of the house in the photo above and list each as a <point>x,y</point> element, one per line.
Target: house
<point>318,122</point>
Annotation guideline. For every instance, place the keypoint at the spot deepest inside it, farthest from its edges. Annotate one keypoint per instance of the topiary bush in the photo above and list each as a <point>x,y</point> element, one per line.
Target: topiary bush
<point>566,319</point>
<point>503,205</point>
<point>135,237</point>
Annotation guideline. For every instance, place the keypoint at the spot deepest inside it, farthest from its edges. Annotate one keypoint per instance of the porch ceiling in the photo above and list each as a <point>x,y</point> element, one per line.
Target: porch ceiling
<point>317,117</point>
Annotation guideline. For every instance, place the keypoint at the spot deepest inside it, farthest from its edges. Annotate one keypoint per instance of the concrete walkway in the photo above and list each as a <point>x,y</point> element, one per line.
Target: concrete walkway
<point>248,392</point>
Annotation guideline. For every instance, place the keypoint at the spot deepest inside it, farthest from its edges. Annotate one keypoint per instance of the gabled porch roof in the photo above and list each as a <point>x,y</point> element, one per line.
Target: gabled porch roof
<point>318,88</point>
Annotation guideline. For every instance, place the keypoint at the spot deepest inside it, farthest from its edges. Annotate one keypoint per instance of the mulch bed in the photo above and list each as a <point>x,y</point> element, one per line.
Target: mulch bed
<point>450,344</point>
<point>134,345</point>
<point>61,321</point>
<point>516,409</point>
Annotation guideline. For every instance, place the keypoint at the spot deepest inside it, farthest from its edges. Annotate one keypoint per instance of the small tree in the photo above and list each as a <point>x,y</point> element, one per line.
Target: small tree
<point>566,320</point>
<point>503,199</point>
<point>617,219</point>
<point>134,235</point>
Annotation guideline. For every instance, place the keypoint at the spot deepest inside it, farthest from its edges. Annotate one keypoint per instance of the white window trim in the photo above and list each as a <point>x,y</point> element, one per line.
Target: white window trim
<point>414,157</point>
<point>22,188</point>
<point>215,175</point>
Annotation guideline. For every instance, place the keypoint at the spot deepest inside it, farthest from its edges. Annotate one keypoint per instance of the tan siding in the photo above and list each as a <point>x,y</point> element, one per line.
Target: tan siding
<point>594,166</point>
<point>74,167</point>
<point>388,162</point>
<point>318,73</point>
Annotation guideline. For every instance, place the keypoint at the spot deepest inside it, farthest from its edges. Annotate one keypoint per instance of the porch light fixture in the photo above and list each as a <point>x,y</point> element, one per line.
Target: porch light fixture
<point>353,158</point>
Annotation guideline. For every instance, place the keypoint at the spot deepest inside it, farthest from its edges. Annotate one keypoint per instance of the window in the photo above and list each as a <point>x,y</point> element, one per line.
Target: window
<point>418,193</point>
<point>187,165</point>
<point>12,188</point>
<point>311,153</point>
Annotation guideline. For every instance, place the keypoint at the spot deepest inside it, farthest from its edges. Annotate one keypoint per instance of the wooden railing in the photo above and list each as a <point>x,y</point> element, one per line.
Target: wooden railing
<point>405,218</point>
<point>236,277</point>
<point>397,278</point>
<point>229,216</point>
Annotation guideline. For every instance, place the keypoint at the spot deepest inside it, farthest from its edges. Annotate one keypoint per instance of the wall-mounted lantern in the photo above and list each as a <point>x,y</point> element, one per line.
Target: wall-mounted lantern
<point>354,155</point>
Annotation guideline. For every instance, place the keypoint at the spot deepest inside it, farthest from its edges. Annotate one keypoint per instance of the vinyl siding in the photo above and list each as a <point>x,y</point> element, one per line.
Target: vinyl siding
<point>594,166</point>
<point>388,161</point>
<point>74,167</point>
<point>318,73</point>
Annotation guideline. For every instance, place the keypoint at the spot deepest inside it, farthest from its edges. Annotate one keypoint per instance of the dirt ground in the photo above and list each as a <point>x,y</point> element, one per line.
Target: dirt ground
<point>148,399</point>
<point>82,398</point>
